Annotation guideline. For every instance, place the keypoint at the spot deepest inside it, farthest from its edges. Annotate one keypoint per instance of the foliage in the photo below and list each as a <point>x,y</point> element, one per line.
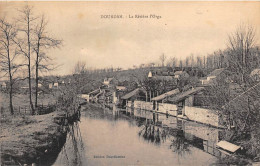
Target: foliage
<point>67,99</point>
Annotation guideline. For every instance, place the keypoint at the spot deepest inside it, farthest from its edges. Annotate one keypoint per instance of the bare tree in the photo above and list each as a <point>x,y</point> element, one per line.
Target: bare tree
<point>42,42</point>
<point>173,62</point>
<point>80,67</point>
<point>192,60</point>
<point>162,59</point>
<point>181,64</point>
<point>141,66</point>
<point>187,62</point>
<point>26,22</point>
<point>199,62</point>
<point>240,44</point>
<point>8,56</point>
<point>152,64</point>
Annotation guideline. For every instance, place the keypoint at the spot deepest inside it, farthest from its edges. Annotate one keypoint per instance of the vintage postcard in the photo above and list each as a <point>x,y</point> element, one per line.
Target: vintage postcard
<point>102,83</point>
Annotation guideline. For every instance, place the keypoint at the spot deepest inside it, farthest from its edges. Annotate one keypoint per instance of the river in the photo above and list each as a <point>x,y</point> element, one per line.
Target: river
<point>137,137</point>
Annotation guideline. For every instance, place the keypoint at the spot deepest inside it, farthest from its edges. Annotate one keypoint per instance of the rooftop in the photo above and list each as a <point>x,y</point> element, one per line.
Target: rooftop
<point>132,93</point>
<point>167,94</point>
<point>185,94</point>
<point>216,72</point>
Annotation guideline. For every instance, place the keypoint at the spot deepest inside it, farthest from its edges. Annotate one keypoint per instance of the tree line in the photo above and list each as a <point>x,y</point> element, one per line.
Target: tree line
<point>23,47</point>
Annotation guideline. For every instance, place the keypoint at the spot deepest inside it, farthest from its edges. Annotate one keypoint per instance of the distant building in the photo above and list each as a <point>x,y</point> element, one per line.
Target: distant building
<point>137,94</point>
<point>150,74</point>
<point>161,75</point>
<point>120,88</point>
<point>50,85</point>
<point>39,85</point>
<point>213,76</point>
<point>107,81</point>
<point>179,74</point>
<point>55,84</point>
<point>255,74</point>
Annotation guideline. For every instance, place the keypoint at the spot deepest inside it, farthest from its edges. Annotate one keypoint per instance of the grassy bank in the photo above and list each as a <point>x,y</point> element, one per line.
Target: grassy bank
<point>25,137</point>
<point>21,103</point>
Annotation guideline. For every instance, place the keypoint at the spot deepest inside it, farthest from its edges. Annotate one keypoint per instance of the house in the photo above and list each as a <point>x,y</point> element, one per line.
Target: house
<point>161,75</point>
<point>107,81</point>
<point>255,74</point>
<point>55,85</point>
<point>185,98</point>
<point>163,97</point>
<point>181,74</point>
<point>162,71</point>
<point>92,94</point>
<point>213,76</point>
<point>150,74</point>
<point>120,88</point>
<point>186,108</point>
<point>84,97</point>
<point>50,85</point>
<point>137,94</point>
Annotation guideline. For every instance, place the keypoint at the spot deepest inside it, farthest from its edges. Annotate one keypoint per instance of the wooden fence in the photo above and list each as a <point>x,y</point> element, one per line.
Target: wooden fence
<point>26,110</point>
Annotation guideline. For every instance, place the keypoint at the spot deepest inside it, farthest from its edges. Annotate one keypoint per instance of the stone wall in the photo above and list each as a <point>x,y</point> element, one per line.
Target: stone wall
<point>143,105</point>
<point>171,108</point>
<point>202,115</point>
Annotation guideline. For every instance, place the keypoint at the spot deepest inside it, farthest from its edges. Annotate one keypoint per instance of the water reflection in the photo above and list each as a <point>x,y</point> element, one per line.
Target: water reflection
<point>156,134</point>
<point>143,137</point>
<point>73,151</point>
<point>182,134</point>
<point>150,133</point>
<point>179,145</point>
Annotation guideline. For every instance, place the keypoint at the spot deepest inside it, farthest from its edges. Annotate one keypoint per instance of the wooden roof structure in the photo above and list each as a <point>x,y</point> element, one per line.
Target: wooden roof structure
<point>167,94</point>
<point>228,146</point>
<point>132,93</point>
<point>216,72</point>
<point>185,94</point>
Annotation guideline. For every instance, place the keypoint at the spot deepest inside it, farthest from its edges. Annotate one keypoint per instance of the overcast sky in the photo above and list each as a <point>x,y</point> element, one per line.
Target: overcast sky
<point>184,28</point>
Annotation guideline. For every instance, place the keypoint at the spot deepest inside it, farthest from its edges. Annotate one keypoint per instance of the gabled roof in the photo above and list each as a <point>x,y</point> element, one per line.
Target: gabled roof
<point>185,94</point>
<point>167,94</point>
<point>166,78</point>
<point>179,72</point>
<point>132,93</point>
<point>94,92</point>
<point>216,72</point>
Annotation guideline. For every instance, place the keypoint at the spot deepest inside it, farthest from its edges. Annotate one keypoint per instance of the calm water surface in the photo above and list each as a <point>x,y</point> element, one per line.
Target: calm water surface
<point>107,137</point>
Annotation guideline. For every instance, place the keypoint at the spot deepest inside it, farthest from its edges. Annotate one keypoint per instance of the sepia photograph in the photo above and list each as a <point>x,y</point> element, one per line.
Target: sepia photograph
<point>129,83</point>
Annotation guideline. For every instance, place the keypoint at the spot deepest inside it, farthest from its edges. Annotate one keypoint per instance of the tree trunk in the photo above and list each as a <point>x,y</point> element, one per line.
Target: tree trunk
<point>36,86</point>
<point>37,74</point>
<point>30,87</point>
<point>11,91</point>
<point>29,65</point>
<point>10,79</point>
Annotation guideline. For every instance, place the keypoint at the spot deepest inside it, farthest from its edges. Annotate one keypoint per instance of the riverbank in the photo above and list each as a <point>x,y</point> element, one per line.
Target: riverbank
<point>22,138</point>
